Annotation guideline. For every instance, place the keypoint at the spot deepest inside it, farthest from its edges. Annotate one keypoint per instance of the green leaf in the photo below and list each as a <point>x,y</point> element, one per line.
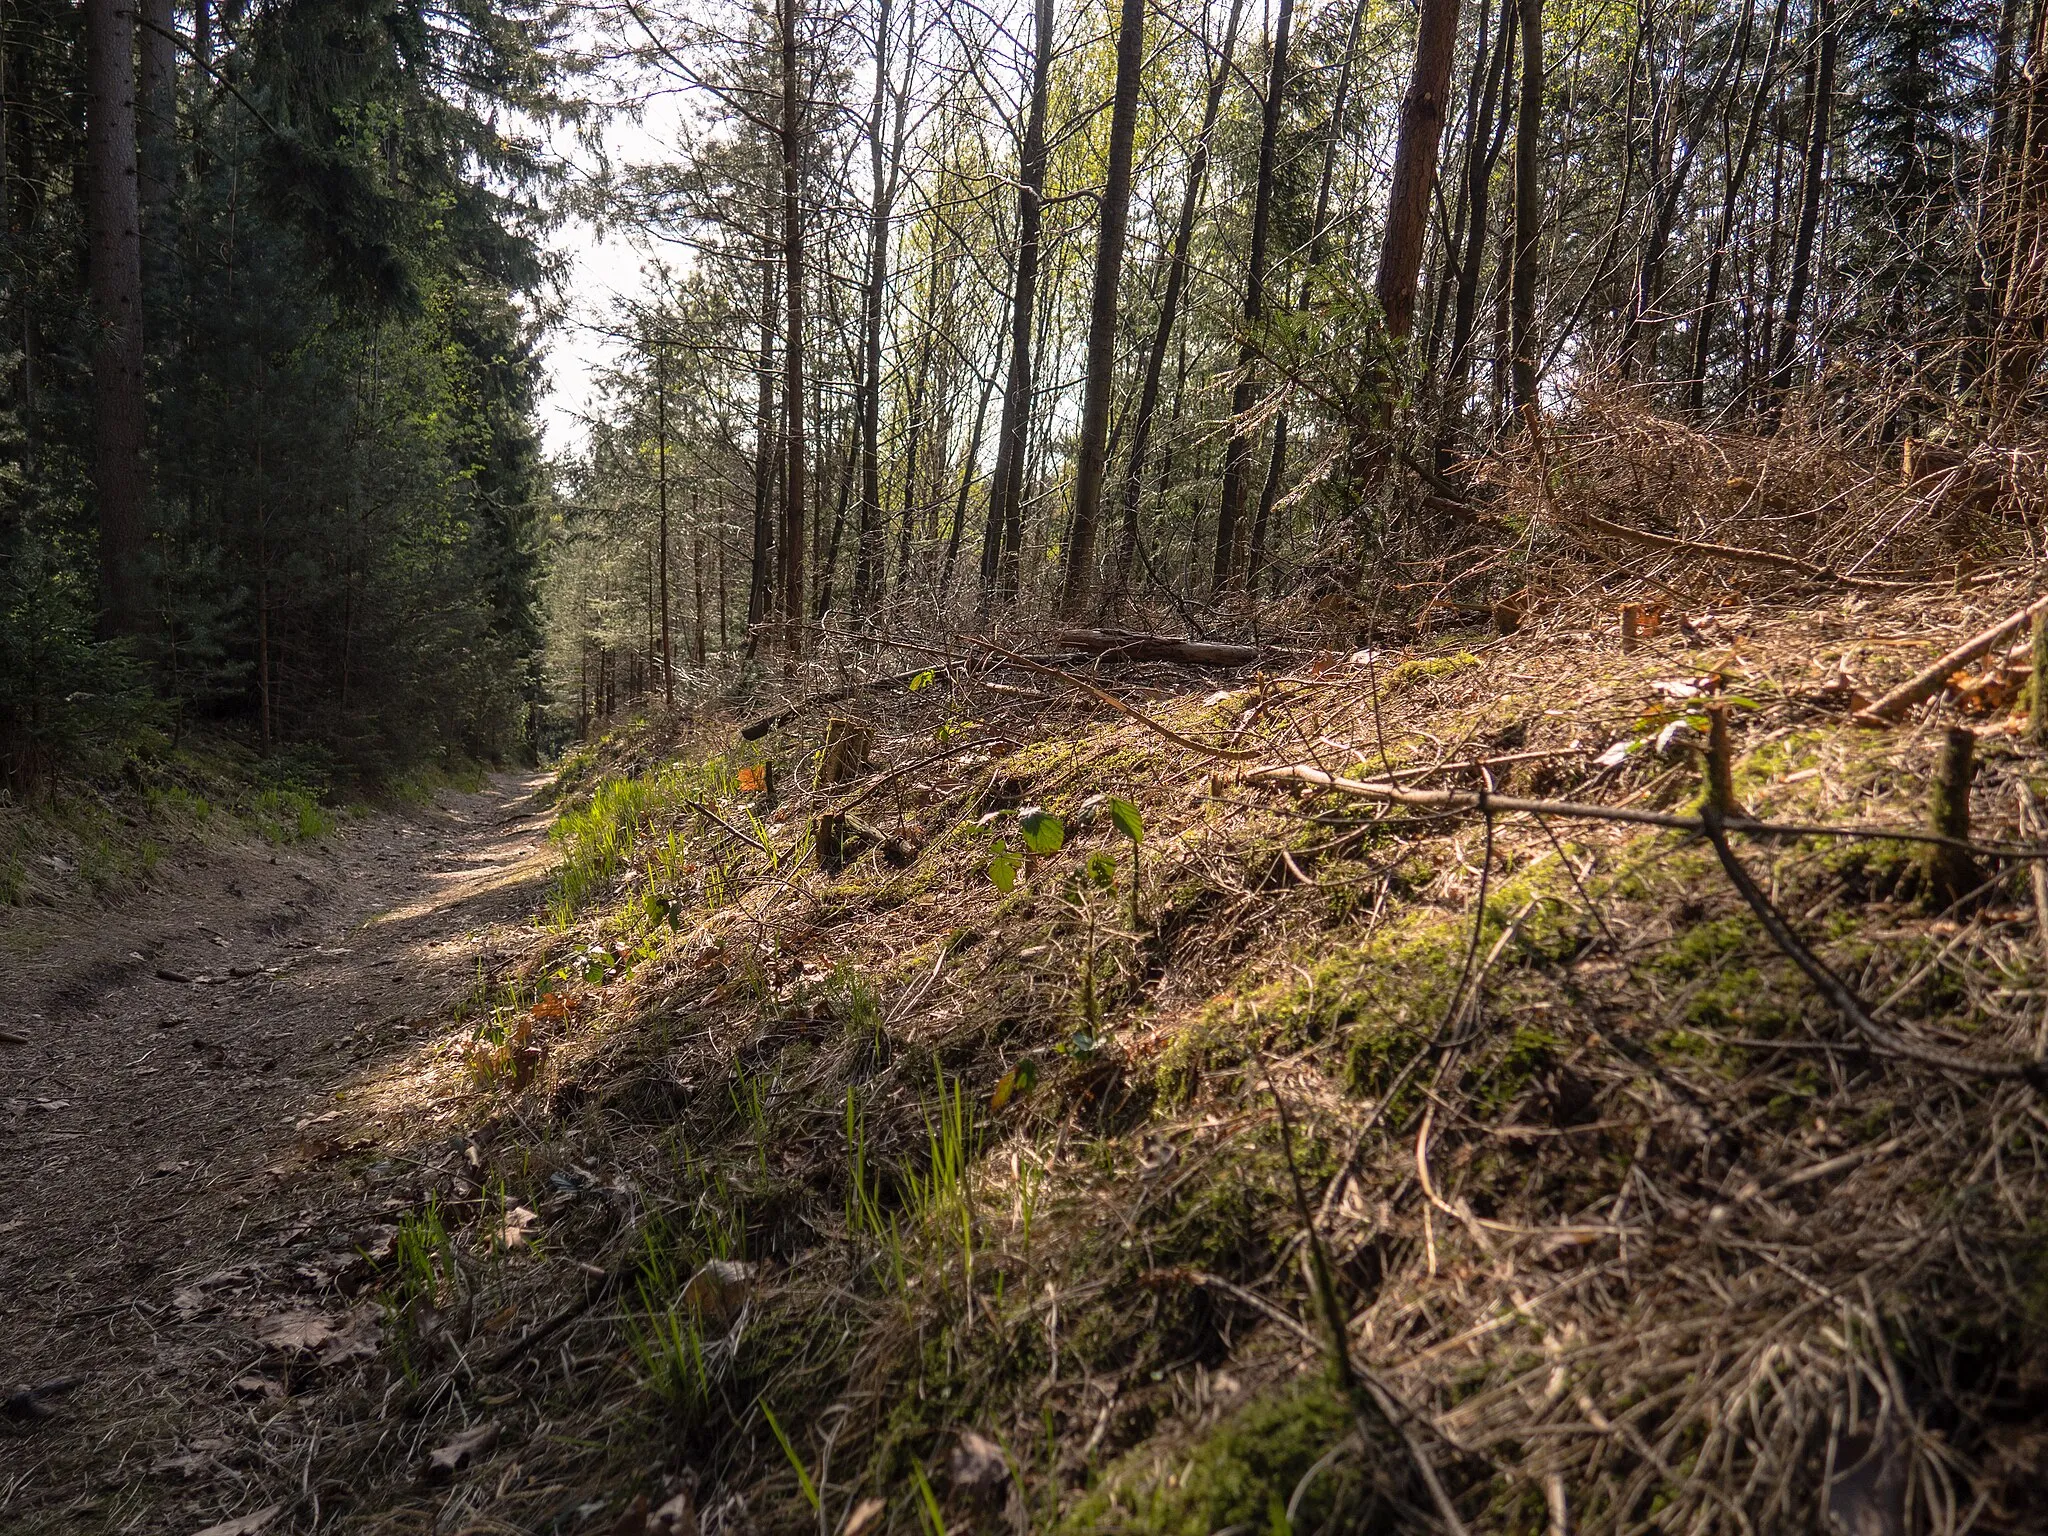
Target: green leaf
<point>1101,871</point>
<point>923,679</point>
<point>1043,833</point>
<point>1003,869</point>
<point>1020,1079</point>
<point>1127,819</point>
<point>803,1478</point>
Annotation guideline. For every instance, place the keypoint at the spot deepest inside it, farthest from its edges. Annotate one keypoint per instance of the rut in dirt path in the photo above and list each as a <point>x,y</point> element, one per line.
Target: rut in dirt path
<point>181,1055</point>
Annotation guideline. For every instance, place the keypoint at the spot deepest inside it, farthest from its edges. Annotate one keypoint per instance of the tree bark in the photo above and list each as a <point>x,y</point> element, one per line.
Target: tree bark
<point>1230,539</point>
<point>1528,206</point>
<point>1482,152</point>
<point>668,649</point>
<point>791,572</point>
<point>1000,540</point>
<point>1415,157</point>
<point>760,575</point>
<point>884,165</point>
<point>1820,94</point>
<point>114,244</point>
<point>1169,305</point>
<point>1093,452</point>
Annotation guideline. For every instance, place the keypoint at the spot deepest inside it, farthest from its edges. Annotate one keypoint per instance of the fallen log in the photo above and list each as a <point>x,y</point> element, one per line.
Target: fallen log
<point>1129,645</point>
<point>1927,683</point>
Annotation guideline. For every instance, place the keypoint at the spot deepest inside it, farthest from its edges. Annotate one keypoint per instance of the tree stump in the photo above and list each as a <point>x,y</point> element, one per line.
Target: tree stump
<point>845,750</point>
<point>1949,873</point>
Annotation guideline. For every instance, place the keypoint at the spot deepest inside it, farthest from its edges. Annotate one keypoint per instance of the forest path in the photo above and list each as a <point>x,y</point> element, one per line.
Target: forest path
<point>174,1067</point>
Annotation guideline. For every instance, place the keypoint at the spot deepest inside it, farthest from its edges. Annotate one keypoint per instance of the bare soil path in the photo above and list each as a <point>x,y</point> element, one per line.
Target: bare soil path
<point>174,1069</point>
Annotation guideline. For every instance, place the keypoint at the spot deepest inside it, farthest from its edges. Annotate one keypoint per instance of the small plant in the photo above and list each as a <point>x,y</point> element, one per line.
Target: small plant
<point>1125,818</point>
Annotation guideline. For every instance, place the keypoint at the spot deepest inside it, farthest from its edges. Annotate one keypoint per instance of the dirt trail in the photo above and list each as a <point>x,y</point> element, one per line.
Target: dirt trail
<point>176,1064</point>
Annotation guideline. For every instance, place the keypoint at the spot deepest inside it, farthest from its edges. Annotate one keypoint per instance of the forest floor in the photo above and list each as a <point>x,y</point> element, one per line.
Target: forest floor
<point>1020,1165</point>
<point>171,1066</point>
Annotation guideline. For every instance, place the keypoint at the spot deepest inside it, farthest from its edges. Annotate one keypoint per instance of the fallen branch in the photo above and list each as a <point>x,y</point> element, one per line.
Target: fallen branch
<point>1837,991</point>
<point>1466,800</point>
<point>1127,645</point>
<point>1925,684</point>
<point>1229,754</point>
<point>712,816</point>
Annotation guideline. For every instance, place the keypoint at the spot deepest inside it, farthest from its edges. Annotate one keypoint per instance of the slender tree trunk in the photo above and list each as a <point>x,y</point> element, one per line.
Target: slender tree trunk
<point>1415,156</point>
<point>1724,225</point>
<point>1528,206</point>
<point>114,245</point>
<point>1482,152</point>
<point>697,576</point>
<point>158,120</point>
<point>794,450</point>
<point>668,649</point>
<point>999,551</point>
<point>1230,534</point>
<point>1812,181</point>
<point>868,571</point>
<point>968,462</point>
<point>1169,306</point>
<point>1093,453</point>
<point>913,442</point>
<point>760,576</point>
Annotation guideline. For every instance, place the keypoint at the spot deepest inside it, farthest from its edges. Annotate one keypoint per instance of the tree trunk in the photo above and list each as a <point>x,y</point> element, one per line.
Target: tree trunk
<point>868,569</point>
<point>791,573</point>
<point>1482,152</point>
<point>1237,452</point>
<point>114,244</point>
<point>1415,156</point>
<point>999,551</point>
<point>1169,305</point>
<point>760,575</point>
<point>1724,226</point>
<point>1528,206</point>
<point>1093,453</point>
<point>159,119</point>
<point>1820,96</point>
<point>668,649</point>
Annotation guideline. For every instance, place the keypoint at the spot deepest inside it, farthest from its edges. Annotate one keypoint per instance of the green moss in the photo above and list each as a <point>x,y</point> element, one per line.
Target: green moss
<point>1430,668</point>
<point>1238,1476</point>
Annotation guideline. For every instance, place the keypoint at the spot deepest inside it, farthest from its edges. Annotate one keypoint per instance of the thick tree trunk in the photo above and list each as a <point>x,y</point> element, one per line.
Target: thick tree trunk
<point>1812,181</point>
<point>1093,453</point>
<point>1169,306</point>
<point>999,546</point>
<point>158,120</point>
<point>1528,206</point>
<point>1230,532</point>
<point>114,245</point>
<point>1415,157</point>
<point>791,572</point>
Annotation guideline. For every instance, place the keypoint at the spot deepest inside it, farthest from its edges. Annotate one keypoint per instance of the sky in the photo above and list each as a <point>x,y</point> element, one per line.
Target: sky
<point>604,268</point>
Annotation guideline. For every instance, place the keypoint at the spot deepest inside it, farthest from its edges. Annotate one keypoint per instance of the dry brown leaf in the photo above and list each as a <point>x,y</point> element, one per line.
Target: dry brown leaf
<point>258,1386</point>
<point>290,1331</point>
<point>977,1464</point>
<point>357,1339</point>
<point>676,1517</point>
<point>467,1447</point>
<point>865,1514</point>
<point>517,1219</point>
<point>245,1525</point>
<point>720,1288</point>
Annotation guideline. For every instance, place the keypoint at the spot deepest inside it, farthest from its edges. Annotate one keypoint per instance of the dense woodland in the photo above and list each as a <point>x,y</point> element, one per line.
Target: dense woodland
<point>964,314</point>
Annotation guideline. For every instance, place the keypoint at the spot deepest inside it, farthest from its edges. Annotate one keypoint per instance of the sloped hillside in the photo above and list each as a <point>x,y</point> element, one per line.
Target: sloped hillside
<point>1017,1164</point>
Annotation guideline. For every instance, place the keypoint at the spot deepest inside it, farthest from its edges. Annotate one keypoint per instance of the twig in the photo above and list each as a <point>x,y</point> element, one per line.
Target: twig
<point>1837,992</point>
<point>712,816</point>
<point>1232,754</point>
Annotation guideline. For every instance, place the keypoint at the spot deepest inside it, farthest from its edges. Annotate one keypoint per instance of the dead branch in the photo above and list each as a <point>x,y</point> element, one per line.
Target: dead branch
<point>1837,992</point>
<point>1927,683</point>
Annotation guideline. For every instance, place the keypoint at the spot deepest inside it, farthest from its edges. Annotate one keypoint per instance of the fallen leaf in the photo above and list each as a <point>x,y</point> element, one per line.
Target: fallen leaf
<point>517,1219</point>
<point>258,1386</point>
<point>245,1525</point>
<point>358,1339</point>
<point>462,1450</point>
<point>865,1514</point>
<point>977,1464</point>
<point>676,1517</point>
<point>191,1301</point>
<point>753,780</point>
<point>164,973</point>
<point>291,1331</point>
<point>720,1288</point>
